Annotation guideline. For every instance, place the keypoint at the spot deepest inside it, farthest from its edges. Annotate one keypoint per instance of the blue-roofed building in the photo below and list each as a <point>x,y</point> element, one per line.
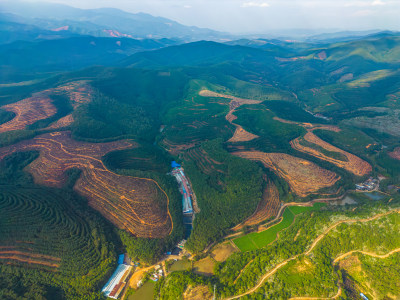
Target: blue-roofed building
<point>174,164</point>
<point>121,259</point>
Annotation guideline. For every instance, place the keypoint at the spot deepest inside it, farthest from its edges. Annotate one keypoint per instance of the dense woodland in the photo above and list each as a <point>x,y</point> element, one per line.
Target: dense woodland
<point>66,249</point>
<point>55,223</point>
<point>225,198</point>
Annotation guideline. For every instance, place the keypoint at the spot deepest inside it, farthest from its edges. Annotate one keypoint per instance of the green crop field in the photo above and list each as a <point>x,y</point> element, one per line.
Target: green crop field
<point>300,209</point>
<point>256,240</point>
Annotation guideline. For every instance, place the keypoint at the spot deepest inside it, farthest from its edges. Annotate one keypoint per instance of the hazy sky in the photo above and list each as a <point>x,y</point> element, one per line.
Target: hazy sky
<point>264,15</point>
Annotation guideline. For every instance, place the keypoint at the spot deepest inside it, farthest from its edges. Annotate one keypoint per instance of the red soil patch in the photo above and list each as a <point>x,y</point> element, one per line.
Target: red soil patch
<point>395,154</point>
<point>242,135</point>
<point>354,164</point>
<point>137,205</point>
<point>79,92</point>
<point>28,111</point>
<point>63,122</point>
<point>40,106</point>
<point>303,176</point>
<point>31,258</point>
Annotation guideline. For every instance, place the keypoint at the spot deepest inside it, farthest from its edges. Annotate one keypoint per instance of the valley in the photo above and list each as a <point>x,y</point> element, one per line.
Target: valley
<point>223,168</point>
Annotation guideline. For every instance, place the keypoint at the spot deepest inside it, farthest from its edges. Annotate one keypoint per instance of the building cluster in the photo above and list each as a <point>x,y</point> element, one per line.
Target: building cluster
<point>118,280</point>
<point>157,274</point>
<point>184,187</point>
<point>370,184</point>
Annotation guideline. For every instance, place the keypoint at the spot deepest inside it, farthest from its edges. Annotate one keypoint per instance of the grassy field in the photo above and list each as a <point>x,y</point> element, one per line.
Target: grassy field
<point>146,292</point>
<point>204,266</point>
<point>257,240</point>
<point>180,265</point>
<point>300,209</point>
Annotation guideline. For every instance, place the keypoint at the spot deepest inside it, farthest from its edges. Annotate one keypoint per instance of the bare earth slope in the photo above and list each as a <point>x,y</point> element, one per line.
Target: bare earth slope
<point>303,176</point>
<point>137,205</point>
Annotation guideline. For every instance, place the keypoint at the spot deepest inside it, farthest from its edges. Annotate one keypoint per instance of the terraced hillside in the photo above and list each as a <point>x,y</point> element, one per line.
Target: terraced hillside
<point>28,111</point>
<point>304,177</point>
<point>49,236</point>
<point>266,209</point>
<point>137,205</point>
<point>240,134</point>
<point>40,106</point>
<point>313,145</point>
<point>195,120</point>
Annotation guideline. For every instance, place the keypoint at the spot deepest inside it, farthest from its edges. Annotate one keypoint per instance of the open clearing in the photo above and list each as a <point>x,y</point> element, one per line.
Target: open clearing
<point>353,164</point>
<point>303,176</point>
<point>137,205</point>
<point>395,154</point>
<point>40,106</point>
<point>223,251</point>
<point>204,266</point>
<point>240,134</point>
<point>267,208</point>
<point>200,292</point>
<point>28,111</point>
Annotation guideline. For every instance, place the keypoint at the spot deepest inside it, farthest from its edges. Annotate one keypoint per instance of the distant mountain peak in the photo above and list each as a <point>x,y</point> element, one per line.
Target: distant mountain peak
<point>105,22</point>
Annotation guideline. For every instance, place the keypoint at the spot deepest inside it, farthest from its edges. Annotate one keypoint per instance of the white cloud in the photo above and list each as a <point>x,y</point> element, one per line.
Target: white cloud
<point>365,3</point>
<point>255,4</point>
<point>378,2</point>
<point>187,6</point>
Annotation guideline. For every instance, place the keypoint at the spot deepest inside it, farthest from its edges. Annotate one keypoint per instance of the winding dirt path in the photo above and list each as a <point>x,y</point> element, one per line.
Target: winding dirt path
<point>240,135</point>
<point>337,259</point>
<point>313,245</point>
<point>381,256</point>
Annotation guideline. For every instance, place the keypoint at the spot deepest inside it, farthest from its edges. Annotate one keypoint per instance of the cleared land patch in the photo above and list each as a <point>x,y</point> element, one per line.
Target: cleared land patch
<point>303,176</point>
<point>28,111</point>
<point>395,154</point>
<point>223,251</point>
<point>137,205</point>
<point>337,156</point>
<point>204,266</point>
<point>40,106</point>
<point>200,292</point>
<point>240,134</point>
<point>267,208</point>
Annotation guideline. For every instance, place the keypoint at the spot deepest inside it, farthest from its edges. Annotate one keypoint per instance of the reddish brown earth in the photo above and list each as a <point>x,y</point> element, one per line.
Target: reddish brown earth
<point>28,111</point>
<point>395,154</point>
<point>304,177</point>
<point>137,205</point>
<point>354,164</point>
<point>29,257</point>
<point>40,106</point>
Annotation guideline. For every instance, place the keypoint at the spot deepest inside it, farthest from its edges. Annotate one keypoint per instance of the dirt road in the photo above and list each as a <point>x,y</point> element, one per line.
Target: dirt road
<point>313,245</point>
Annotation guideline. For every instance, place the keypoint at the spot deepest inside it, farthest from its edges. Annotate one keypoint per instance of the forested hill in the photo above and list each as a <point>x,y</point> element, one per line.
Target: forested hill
<point>87,138</point>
